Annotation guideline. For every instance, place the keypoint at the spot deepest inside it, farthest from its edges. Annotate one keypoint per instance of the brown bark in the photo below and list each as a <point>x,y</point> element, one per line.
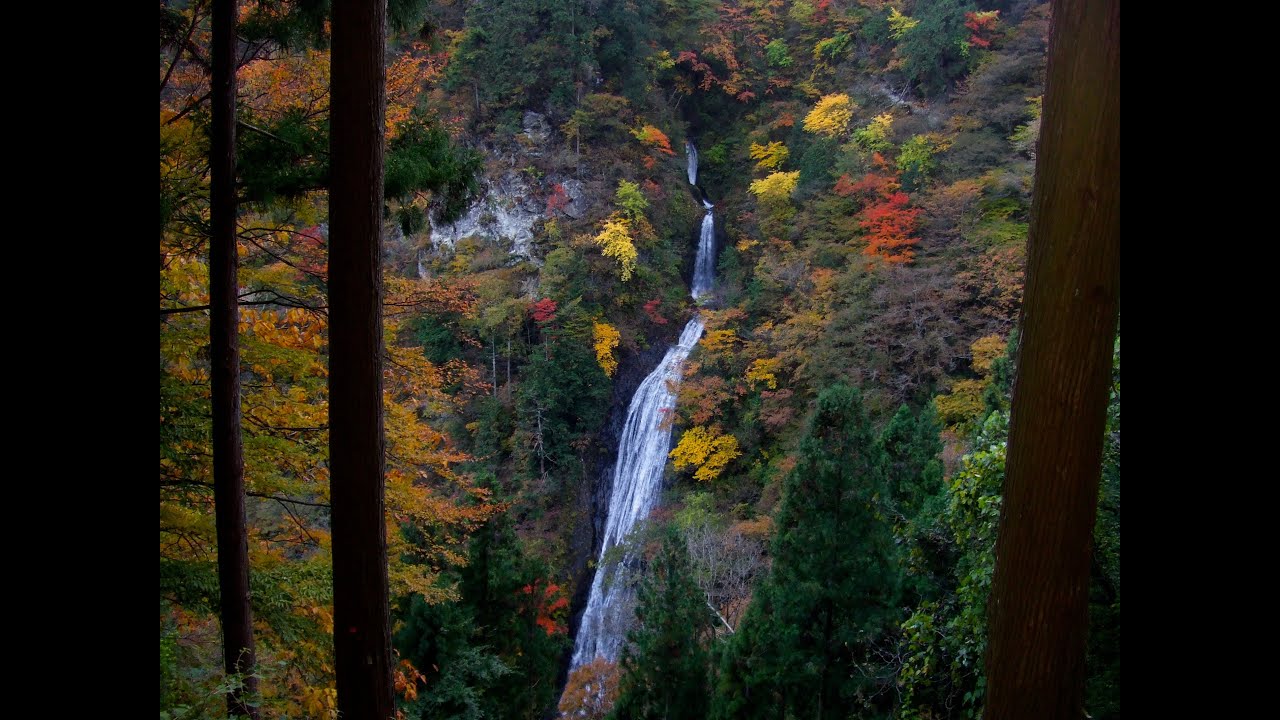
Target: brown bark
<point>1039,595</point>
<point>224,352</point>
<point>362,633</point>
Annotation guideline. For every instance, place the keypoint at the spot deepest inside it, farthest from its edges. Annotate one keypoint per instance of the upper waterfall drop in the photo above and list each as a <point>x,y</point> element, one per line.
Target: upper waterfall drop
<point>692,152</point>
<point>704,272</point>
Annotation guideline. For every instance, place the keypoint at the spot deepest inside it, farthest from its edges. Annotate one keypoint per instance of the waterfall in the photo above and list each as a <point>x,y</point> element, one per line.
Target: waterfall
<point>692,152</point>
<point>637,479</point>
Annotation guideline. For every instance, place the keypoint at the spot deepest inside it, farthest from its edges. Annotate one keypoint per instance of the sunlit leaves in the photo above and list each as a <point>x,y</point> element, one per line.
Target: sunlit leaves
<point>654,138</point>
<point>763,371</point>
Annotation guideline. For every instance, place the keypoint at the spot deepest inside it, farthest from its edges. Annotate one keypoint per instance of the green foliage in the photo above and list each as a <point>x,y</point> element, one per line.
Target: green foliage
<point>1026,137</point>
<point>915,161</point>
<point>911,447</point>
<point>514,54</point>
<point>934,49</point>
<point>563,396</point>
<point>286,160</point>
<point>630,199</point>
<point>832,50</point>
<point>946,643</point>
<point>801,11</point>
<point>485,655</point>
<point>1102,691</point>
<point>776,53</point>
<point>665,663</point>
<point>805,646</point>
<point>422,157</point>
<point>875,136</point>
<point>900,24</point>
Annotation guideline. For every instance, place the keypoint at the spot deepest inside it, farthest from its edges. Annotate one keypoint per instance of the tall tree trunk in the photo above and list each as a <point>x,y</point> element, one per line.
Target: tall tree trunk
<point>224,377</point>
<point>1039,594</point>
<point>362,631</point>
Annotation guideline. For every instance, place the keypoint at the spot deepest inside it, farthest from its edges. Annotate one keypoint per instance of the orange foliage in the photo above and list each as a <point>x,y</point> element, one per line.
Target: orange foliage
<point>590,691</point>
<point>886,217</point>
<point>655,138</point>
<point>889,224</point>
<point>551,606</point>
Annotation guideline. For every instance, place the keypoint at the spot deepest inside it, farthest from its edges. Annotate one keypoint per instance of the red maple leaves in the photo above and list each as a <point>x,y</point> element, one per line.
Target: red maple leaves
<point>886,217</point>
<point>543,311</point>
<point>551,602</point>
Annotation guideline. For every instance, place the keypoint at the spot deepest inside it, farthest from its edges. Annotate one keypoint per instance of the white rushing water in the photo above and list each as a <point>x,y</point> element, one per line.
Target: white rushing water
<point>637,479</point>
<point>692,153</point>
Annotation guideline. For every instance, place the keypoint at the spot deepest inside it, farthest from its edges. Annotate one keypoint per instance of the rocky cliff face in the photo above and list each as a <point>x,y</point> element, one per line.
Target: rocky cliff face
<point>514,203</point>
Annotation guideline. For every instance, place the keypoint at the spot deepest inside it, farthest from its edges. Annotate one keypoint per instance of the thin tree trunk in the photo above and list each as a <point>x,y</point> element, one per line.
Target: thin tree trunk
<point>224,379</point>
<point>1039,595</point>
<point>362,632</point>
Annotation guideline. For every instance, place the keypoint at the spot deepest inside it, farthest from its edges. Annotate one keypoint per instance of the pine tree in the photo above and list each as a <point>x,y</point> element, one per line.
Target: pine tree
<point>665,663</point>
<point>911,446</point>
<point>805,646</point>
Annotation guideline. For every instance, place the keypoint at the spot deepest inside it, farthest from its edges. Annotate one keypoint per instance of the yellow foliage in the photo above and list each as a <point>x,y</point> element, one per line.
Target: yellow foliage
<point>718,342</point>
<point>776,188</point>
<point>985,351</point>
<point>900,24</point>
<point>607,338</point>
<point>963,404</point>
<point>763,370</point>
<point>769,157</point>
<point>615,239</point>
<point>831,115</point>
<point>706,449</point>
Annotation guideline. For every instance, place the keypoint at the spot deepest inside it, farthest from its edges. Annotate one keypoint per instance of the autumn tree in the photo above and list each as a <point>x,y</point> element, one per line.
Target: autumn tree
<point>888,221</point>
<point>615,242</point>
<point>606,340</point>
<point>590,691</point>
<point>1039,595</point>
<point>770,156</point>
<point>831,116</point>
<point>707,450</point>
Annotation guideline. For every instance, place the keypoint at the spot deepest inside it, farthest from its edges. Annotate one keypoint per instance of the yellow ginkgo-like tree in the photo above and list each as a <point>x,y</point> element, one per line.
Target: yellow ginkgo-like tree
<point>770,156</point>
<point>615,242</point>
<point>831,116</point>
<point>606,339</point>
<point>705,449</point>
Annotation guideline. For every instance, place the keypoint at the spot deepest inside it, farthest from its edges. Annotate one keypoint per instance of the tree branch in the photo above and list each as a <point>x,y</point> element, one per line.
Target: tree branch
<point>717,613</point>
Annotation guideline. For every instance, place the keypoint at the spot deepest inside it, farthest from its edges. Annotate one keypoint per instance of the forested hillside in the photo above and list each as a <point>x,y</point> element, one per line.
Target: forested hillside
<point>823,544</point>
